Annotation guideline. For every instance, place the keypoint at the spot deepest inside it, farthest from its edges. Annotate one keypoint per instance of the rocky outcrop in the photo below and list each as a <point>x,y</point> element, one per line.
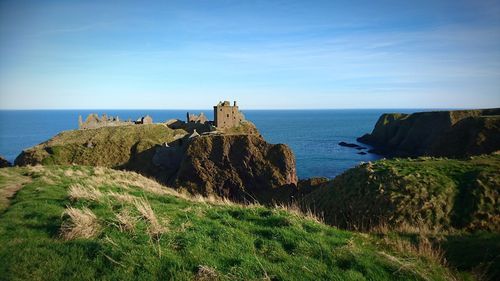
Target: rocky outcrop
<point>456,133</point>
<point>4,163</point>
<point>234,165</point>
<point>240,167</point>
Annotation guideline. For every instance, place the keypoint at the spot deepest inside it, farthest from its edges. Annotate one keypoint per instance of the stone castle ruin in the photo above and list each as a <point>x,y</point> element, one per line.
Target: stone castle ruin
<point>93,121</point>
<point>202,119</point>
<point>227,116</point>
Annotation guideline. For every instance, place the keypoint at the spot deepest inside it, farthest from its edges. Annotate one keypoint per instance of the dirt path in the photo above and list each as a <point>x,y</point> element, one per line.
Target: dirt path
<point>10,182</point>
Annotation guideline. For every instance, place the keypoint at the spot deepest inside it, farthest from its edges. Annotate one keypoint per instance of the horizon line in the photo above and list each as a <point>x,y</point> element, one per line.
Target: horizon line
<point>243,109</point>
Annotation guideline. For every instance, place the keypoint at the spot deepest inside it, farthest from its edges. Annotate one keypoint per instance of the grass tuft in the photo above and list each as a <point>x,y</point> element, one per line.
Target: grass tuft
<point>126,222</point>
<point>155,229</point>
<point>206,273</point>
<point>80,224</point>
<point>78,191</point>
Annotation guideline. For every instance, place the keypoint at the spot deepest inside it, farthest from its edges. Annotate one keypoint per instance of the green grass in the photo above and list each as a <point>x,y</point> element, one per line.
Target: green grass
<point>195,239</point>
<point>435,193</point>
<point>127,146</point>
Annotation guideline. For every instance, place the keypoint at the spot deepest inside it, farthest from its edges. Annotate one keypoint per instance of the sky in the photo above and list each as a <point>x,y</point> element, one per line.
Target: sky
<point>264,54</point>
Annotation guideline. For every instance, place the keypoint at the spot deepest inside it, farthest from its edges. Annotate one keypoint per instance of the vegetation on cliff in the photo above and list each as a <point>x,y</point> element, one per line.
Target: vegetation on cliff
<point>119,146</point>
<point>84,223</point>
<point>458,133</point>
<point>437,193</point>
<point>454,203</point>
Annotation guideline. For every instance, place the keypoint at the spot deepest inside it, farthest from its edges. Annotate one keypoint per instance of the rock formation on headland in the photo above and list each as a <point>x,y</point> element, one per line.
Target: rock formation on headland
<point>225,158</point>
<point>457,133</point>
<point>4,163</point>
<point>238,167</point>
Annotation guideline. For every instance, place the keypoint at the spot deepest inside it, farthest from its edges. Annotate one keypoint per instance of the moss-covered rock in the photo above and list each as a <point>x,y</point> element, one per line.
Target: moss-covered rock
<point>456,133</point>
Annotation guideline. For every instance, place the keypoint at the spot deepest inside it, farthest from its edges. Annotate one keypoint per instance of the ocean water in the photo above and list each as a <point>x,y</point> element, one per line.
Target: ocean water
<point>313,135</point>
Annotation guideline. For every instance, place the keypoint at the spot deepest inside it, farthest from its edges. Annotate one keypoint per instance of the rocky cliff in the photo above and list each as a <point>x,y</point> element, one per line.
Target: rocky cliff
<point>4,163</point>
<point>235,165</point>
<point>456,133</point>
<point>240,167</point>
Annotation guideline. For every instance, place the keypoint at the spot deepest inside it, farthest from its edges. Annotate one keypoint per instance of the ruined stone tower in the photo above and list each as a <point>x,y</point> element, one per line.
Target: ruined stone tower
<point>227,116</point>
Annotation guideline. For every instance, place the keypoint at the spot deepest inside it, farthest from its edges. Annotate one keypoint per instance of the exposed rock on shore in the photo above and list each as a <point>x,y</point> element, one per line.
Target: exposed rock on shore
<point>456,133</point>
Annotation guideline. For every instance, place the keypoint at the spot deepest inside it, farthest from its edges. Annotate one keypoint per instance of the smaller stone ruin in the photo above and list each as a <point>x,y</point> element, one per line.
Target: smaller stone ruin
<point>93,121</point>
<point>193,118</point>
<point>144,120</point>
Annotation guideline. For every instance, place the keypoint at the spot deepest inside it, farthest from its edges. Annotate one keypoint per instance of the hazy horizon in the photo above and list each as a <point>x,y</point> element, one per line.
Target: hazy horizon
<point>264,54</point>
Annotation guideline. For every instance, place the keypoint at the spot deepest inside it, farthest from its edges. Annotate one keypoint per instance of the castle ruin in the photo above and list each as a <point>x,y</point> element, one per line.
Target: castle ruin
<point>193,118</point>
<point>227,116</point>
<point>93,121</point>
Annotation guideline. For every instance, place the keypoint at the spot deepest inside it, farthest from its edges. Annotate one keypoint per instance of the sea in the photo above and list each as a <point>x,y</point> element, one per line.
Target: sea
<point>313,135</point>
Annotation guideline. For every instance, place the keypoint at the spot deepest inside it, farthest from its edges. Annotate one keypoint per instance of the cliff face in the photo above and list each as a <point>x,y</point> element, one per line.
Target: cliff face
<point>240,167</point>
<point>4,163</point>
<point>443,133</point>
<point>423,193</point>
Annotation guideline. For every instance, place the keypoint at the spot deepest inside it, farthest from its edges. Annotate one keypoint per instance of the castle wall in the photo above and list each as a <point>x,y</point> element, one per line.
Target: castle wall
<point>93,121</point>
<point>227,116</point>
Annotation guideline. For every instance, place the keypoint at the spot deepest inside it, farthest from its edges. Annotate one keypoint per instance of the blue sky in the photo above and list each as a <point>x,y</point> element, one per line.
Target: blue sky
<point>265,54</point>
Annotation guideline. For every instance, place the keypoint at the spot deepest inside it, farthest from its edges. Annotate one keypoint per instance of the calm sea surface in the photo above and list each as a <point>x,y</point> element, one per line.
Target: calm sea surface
<point>312,134</point>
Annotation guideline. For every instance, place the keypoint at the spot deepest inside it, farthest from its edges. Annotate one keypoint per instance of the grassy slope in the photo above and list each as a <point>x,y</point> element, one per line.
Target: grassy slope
<point>454,203</point>
<point>108,146</point>
<point>186,238</point>
<point>437,193</point>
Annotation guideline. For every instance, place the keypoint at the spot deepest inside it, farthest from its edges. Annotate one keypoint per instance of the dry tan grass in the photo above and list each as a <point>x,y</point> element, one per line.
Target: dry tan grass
<point>80,224</point>
<point>424,249</point>
<point>99,171</point>
<point>68,172</point>
<point>36,168</point>
<point>78,191</point>
<point>126,222</point>
<point>296,210</point>
<point>47,180</point>
<point>420,228</point>
<point>206,273</point>
<point>211,199</point>
<point>155,228</point>
<point>122,197</point>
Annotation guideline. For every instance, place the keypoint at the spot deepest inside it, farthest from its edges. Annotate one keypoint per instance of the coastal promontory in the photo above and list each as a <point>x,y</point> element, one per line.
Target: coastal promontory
<point>457,133</point>
<point>225,158</point>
